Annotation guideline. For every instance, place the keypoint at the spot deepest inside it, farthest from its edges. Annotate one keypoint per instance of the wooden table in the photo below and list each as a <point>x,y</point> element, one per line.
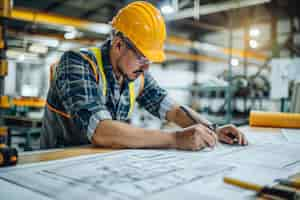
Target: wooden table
<point>56,154</point>
<point>39,156</point>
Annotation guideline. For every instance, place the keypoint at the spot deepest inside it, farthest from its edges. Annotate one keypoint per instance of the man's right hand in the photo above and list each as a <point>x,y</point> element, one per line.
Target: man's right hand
<point>195,138</point>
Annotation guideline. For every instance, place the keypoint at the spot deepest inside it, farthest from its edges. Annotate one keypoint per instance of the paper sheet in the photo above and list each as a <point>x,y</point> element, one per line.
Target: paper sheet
<point>10,191</point>
<point>269,155</point>
<point>152,174</point>
<point>121,175</point>
<point>292,135</point>
<point>265,138</point>
<point>215,185</point>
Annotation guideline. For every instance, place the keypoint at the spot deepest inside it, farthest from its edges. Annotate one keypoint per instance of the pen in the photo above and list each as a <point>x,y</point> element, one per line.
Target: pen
<point>283,193</point>
<point>188,114</point>
<point>212,128</point>
<point>291,183</point>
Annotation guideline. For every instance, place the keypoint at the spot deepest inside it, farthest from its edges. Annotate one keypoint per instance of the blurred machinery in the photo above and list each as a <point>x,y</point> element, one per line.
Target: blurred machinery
<point>4,12</point>
<point>230,95</point>
<point>247,93</point>
<point>23,128</point>
<point>284,81</point>
<point>11,109</point>
<point>295,102</point>
<point>8,155</point>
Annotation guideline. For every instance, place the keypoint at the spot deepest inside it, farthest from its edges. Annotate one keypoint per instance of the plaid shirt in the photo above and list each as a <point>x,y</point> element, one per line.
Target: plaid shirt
<point>75,91</point>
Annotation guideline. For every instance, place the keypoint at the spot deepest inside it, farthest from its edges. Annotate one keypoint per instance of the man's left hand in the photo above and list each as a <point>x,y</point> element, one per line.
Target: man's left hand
<point>231,135</point>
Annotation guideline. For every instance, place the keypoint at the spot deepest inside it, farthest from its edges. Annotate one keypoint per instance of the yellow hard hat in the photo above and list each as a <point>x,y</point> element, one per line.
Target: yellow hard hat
<point>145,27</point>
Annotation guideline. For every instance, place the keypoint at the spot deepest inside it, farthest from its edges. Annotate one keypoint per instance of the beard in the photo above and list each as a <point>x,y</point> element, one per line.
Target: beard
<point>138,73</point>
<point>122,72</point>
<point>125,76</point>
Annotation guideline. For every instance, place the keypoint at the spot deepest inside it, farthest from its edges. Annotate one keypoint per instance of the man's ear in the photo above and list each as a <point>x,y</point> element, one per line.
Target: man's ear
<point>117,43</point>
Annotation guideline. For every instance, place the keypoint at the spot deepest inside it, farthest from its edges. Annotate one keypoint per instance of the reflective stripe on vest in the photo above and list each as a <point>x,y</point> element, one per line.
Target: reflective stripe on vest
<point>97,53</point>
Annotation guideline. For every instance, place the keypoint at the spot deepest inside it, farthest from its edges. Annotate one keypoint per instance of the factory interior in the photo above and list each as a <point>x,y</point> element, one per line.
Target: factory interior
<point>225,59</point>
<point>219,57</point>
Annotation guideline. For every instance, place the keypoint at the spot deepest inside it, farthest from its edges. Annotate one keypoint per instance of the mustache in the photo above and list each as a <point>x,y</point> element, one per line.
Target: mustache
<point>139,71</point>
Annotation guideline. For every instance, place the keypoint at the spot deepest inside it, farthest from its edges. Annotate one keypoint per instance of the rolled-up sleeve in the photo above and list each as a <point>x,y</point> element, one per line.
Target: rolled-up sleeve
<point>80,93</point>
<point>154,98</point>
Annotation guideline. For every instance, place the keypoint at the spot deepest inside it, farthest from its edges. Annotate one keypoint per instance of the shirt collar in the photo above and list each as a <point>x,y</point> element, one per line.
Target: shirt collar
<point>105,55</point>
<point>106,62</point>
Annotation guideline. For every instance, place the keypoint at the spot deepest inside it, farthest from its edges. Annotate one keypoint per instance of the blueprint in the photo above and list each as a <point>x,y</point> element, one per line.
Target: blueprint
<point>153,174</point>
<point>292,135</point>
<point>261,138</point>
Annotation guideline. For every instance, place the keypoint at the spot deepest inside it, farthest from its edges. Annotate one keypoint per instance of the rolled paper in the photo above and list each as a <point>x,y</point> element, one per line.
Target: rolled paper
<point>274,119</point>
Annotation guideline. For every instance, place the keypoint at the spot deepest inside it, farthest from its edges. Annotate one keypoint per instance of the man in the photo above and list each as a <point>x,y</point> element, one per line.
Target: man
<point>93,92</point>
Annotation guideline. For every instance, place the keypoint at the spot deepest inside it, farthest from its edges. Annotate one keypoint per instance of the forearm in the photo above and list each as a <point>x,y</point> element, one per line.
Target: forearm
<point>186,118</point>
<point>116,134</point>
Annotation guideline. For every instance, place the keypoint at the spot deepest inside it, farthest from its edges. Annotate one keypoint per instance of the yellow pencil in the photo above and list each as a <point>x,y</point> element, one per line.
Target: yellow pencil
<point>291,183</point>
<point>242,184</point>
<point>278,192</point>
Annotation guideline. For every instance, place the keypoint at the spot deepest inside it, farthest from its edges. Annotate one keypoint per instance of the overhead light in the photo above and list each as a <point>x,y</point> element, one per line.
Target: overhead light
<point>65,46</point>
<point>70,35</point>
<point>51,42</point>
<point>21,58</point>
<point>253,44</point>
<point>205,46</point>
<point>167,9</point>
<point>234,62</point>
<point>38,48</point>
<point>29,90</point>
<point>100,28</point>
<point>69,29</point>
<point>214,8</point>
<point>254,32</point>
<point>20,55</point>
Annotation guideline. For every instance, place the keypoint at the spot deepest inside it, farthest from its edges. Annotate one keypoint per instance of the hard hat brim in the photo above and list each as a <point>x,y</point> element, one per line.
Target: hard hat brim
<point>157,56</point>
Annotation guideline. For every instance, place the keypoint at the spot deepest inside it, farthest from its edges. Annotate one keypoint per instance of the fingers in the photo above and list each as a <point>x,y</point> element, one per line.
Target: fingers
<point>226,139</point>
<point>189,139</point>
<point>199,136</point>
<point>244,139</point>
<point>207,136</point>
<point>199,143</point>
<point>234,134</point>
<point>212,133</point>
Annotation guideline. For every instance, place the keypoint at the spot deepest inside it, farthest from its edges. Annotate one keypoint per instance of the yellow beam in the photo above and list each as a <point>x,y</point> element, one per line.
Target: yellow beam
<point>5,8</point>
<point>94,41</point>
<point>179,41</point>
<point>194,57</point>
<point>3,131</point>
<point>3,68</point>
<point>1,38</point>
<point>4,102</point>
<point>29,102</point>
<point>60,37</point>
<point>235,52</point>
<point>248,54</point>
<point>48,18</point>
<point>85,41</point>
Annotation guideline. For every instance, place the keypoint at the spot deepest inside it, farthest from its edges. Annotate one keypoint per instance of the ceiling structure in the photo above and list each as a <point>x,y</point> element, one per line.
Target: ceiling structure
<point>191,26</point>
